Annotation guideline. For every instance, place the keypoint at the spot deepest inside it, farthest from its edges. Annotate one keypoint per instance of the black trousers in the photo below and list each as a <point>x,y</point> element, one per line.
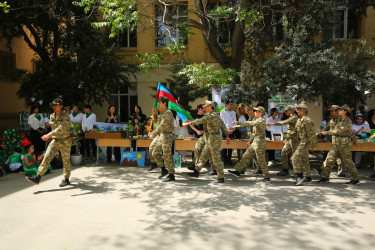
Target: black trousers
<point>36,139</point>
<point>89,142</point>
<point>226,154</point>
<point>117,154</point>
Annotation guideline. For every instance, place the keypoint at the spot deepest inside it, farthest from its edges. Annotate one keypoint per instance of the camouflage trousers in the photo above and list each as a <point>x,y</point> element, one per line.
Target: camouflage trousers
<point>342,149</point>
<point>300,159</point>
<point>198,151</point>
<point>62,145</point>
<point>163,145</point>
<point>256,150</point>
<point>289,146</point>
<point>152,147</point>
<point>211,150</point>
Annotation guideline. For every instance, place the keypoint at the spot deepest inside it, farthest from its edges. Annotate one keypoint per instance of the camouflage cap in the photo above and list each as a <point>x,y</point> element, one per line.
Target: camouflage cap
<point>250,106</point>
<point>301,106</point>
<point>261,109</point>
<point>345,107</point>
<point>163,99</point>
<point>208,103</point>
<point>334,107</point>
<point>56,101</point>
<point>289,107</point>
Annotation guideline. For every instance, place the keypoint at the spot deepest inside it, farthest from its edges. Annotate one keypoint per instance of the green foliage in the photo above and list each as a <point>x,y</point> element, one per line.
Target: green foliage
<point>249,17</point>
<point>74,60</point>
<point>4,6</point>
<point>151,61</point>
<point>205,75</point>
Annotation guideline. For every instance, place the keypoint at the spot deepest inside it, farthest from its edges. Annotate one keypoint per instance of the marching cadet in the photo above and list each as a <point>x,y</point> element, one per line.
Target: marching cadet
<point>334,112</point>
<point>341,147</point>
<point>164,140</point>
<point>291,142</point>
<point>60,135</point>
<point>257,149</point>
<point>212,141</point>
<point>250,112</point>
<point>306,133</point>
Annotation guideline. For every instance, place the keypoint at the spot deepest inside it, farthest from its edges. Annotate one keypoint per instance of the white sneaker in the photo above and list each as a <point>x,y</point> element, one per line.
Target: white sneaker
<point>270,163</point>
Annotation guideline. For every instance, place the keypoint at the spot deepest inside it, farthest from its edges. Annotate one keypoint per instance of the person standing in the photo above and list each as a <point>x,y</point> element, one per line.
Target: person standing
<point>60,136</point>
<point>37,125</point>
<point>88,121</point>
<point>76,118</point>
<point>228,116</point>
<point>212,139</point>
<point>241,132</point>
<point>257,149</point>
<point>341,147</point>
<point>113,117</point>
<point>306,133</point>
<point>163,144</point>
<point>291,142</point>
<point>272,131</point>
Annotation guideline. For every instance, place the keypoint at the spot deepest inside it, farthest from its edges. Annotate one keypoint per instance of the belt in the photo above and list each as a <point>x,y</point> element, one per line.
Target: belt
<point>165,132</point>
<point>213,133</point>
<point>343,136</point>
<point>259,137</point>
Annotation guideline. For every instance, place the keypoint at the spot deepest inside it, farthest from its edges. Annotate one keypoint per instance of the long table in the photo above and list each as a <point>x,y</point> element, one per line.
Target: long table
<point>115,140</point>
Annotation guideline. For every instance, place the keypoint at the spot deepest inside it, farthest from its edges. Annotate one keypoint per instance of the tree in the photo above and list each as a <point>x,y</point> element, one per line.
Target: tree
<point>73,59</point>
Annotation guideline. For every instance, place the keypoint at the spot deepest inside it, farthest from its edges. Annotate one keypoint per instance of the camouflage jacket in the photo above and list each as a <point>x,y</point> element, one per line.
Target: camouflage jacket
<point>164,122</point>
<point>291,123</point>
<point>212,123</point>
<point>60,126</point>
<point>332,126</point>
<point>342,128</point>
<point>258,126</point>
<point>306,130</point>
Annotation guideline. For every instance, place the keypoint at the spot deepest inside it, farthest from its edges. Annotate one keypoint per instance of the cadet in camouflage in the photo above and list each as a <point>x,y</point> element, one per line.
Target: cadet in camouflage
<point>164,140</point>
<point>341,147</point>
<point>306,133</point>
<point>60,135</point>
<point>291,142</point>
<point>257,148</point>
<point>212,136</point>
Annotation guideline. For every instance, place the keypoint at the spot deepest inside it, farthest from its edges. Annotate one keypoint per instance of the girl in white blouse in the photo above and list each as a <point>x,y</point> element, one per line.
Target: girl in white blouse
<point>37,125</point>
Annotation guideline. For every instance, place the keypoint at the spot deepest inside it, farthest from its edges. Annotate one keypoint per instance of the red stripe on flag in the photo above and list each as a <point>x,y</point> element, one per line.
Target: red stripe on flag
<point>170,97</point>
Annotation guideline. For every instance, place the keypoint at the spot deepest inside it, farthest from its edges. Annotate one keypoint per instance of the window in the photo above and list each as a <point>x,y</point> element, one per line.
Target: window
<point>172,27</point>
<point>273,27</point>
<point>224,27</point>
<point>127,38</point>
<point>348,26</point>
<point>7,63</point>
<point>125,99</point>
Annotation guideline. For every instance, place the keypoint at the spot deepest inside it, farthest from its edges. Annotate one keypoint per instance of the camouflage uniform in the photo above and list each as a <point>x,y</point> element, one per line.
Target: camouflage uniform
<point>257,147</point>
<point>60,141</point>
<point>250,133</point>
<point>212,140</point>
<point>199,148</point>
<point>163,141</point>
<point>341,148</point>
<point>292,142</point>
<point>306,133</point>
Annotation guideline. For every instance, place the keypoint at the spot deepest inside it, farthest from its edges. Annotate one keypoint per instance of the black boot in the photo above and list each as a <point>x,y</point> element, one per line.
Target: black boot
<point>34,180</point>
<point>299,179</point>
<point>283,172</point>
<point>194,174</point>
<point>218,181</point>
<point>64,183</point>
<point>323,180</point>
<point>234,173</point>
<point>163,173</point>
<point>192,167</point>
<point>170,177</point>
<point>152,166</point>
<point>213,172</point>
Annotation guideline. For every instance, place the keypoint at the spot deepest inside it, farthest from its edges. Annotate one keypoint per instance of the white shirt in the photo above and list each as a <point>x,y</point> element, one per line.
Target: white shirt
<point>77,118</point>
<point>88,123</point>
<point>242,118</point>
<point>228,117</point>
<point>180,131</point>
<point>46,119</point>
<point>274,129</point>
<point>35,123</point>
<point>356,127</point>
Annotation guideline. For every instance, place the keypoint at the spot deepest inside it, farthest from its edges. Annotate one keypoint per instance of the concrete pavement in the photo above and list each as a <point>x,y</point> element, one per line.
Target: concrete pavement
<point>113,207</point>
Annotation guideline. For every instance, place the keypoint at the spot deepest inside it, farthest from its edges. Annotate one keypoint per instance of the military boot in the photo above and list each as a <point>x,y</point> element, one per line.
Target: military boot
<point>218,181</point>
<point>170,177</point>
<point>234,173</point>
<point>64,183</point>
<point>283,172</point>
<point>163,173</point>
<point>299,179</point>
<point>34,180</point>
<point>194,174</point>
<point>213,172</point>
<point>152,166</point>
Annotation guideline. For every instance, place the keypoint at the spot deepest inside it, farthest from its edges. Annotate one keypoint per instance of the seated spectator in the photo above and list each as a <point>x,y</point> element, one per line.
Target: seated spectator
<point>360,129</point>
<point>14,162</point>
<point>147,127</point>
<point>29,161</point>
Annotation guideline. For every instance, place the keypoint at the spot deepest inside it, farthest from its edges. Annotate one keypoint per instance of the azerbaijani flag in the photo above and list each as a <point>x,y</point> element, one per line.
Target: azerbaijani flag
<point>173,104</point>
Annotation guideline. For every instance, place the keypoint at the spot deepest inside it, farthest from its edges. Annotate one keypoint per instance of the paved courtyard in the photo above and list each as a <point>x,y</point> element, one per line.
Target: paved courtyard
<point>113,207</point>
